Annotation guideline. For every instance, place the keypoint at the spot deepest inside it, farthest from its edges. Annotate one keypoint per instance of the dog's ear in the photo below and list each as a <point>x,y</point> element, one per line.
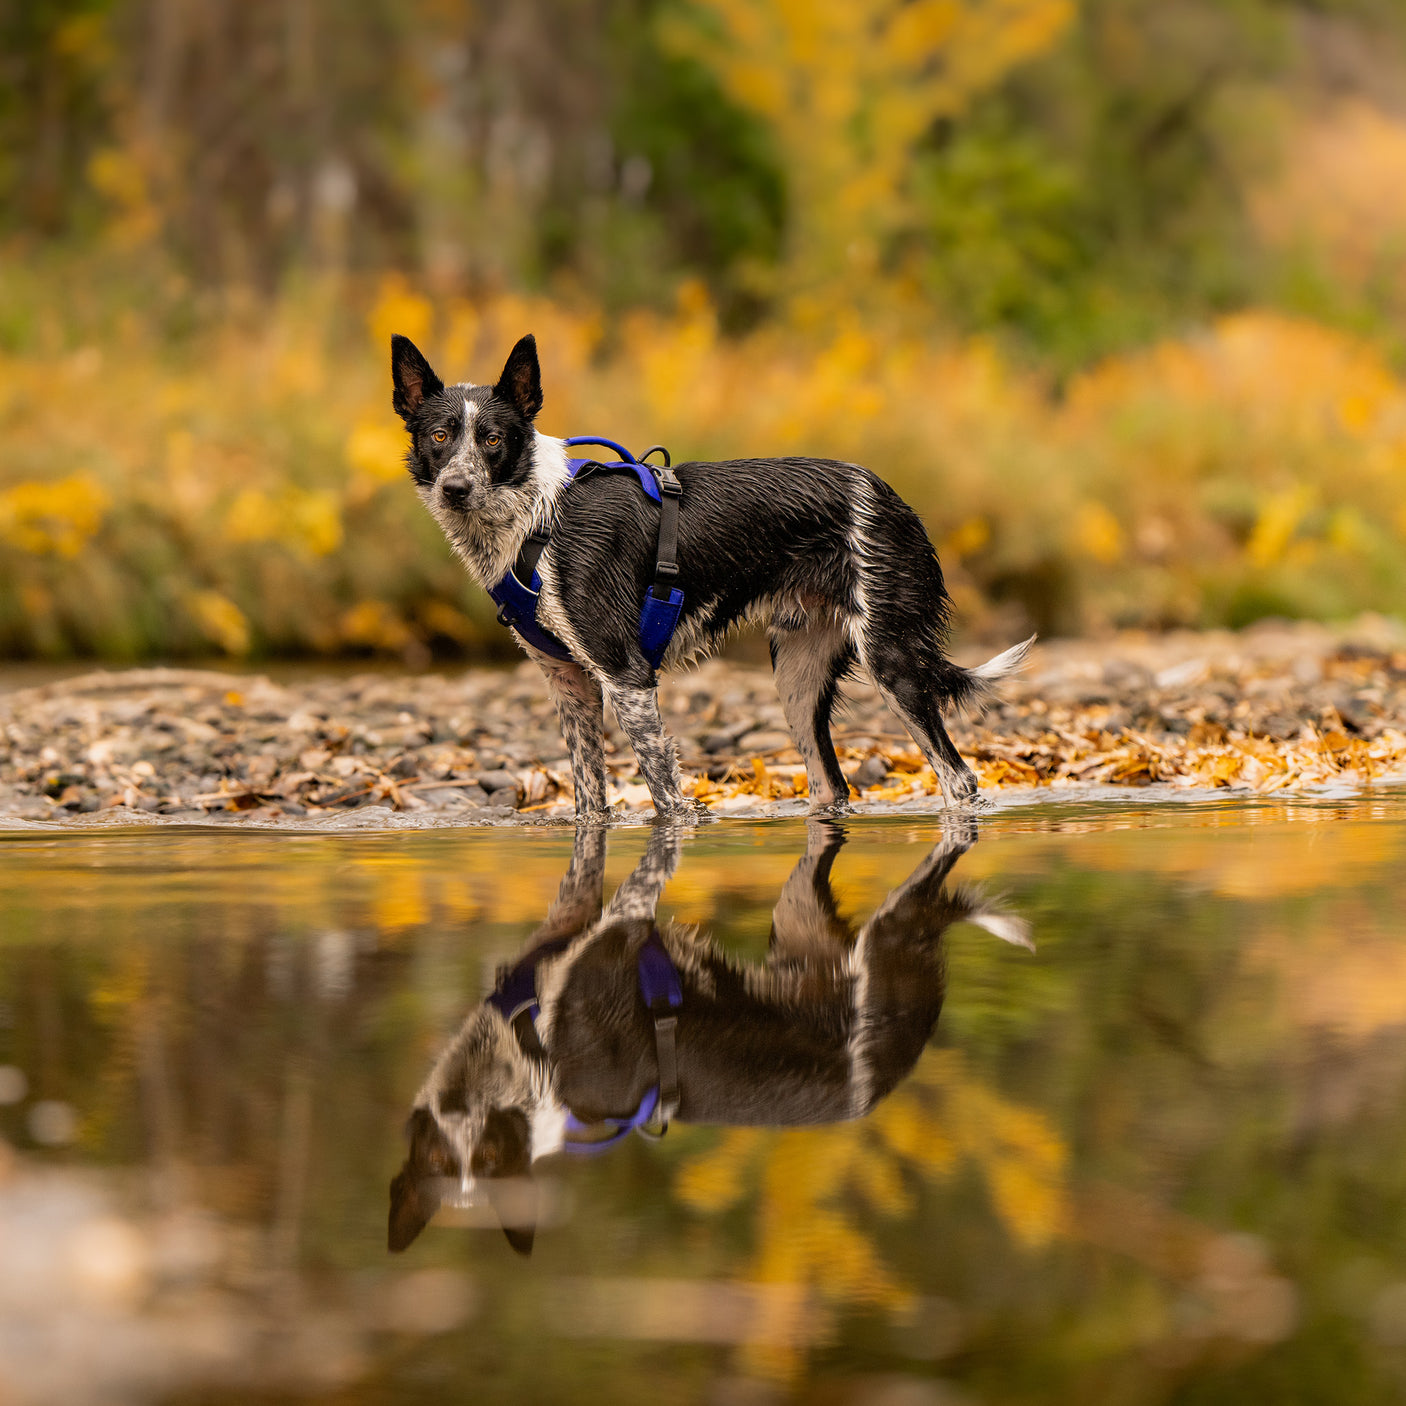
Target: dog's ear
<point>414,380</point>
<point>502,1159</point>
<point>521,382</point>
<point>515,1201</point>
<point>414,1200</point>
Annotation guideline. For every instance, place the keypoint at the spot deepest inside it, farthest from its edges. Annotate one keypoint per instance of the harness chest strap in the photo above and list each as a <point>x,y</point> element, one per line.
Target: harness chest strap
<point>516,595</point>
<point>515,998</point>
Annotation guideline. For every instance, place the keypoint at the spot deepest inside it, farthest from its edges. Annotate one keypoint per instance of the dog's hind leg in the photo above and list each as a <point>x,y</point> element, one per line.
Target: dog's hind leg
<point>808,665</point>
<point>919,707</point>
<point>638,712</point>
<point>899,972</point>
<point>580,711</point>
<point>806,925</point>
<point>900,649</point>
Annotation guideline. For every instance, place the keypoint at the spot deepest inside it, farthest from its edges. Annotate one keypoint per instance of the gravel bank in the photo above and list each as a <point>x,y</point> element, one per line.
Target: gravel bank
<point>1274,708</point>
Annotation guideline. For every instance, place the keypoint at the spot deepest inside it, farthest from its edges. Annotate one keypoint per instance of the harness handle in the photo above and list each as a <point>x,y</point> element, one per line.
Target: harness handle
<point>620,449</point>
<point>657,449</point>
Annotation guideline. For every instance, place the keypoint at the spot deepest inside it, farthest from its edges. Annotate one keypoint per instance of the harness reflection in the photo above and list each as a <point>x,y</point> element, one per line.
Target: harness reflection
<point>608,1023</point>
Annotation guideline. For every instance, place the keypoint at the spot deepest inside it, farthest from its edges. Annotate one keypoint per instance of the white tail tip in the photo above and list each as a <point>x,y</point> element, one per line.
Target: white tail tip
<point>1006,926</point>
<point>1004,665</point>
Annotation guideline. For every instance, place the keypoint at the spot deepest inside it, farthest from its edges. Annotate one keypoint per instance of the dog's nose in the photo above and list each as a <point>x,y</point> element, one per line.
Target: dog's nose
<point>455,491</point>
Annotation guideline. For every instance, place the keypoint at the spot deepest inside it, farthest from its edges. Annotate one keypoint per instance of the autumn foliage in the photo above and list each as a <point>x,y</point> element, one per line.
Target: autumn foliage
<point>876,231</point>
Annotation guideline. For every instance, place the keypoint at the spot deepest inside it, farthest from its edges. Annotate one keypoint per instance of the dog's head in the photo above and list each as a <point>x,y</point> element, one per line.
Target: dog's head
<point>471,1135</point>
<point>467,442</point>
<point>434,1171</point>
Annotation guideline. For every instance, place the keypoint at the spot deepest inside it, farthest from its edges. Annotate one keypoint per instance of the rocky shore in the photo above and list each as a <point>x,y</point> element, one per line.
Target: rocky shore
<point>1275,708</point>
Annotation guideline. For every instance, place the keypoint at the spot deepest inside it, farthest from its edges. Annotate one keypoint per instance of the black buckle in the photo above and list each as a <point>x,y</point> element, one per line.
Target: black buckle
<point>666,570</point>
<point>667,481</point>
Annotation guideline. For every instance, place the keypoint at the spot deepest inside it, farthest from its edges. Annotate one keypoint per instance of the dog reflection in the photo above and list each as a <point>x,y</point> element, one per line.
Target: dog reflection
<point>608,1023</point>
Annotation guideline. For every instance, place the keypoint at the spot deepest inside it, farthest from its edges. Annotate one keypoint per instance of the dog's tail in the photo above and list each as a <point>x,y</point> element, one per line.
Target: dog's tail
<point>975,688</point>
<point>972,904</point>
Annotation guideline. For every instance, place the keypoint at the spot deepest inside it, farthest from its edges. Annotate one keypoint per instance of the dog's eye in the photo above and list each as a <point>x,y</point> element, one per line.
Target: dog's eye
<point>493,441</point>
<point>439,436</point>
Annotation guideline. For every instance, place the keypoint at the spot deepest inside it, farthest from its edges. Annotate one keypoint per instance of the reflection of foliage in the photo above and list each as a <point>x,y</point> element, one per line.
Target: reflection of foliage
<point>1212,1029</point>
<point>796,1182</point>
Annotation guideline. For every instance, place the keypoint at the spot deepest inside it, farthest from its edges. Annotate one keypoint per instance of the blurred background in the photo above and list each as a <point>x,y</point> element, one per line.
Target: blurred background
<point>1114,291</point>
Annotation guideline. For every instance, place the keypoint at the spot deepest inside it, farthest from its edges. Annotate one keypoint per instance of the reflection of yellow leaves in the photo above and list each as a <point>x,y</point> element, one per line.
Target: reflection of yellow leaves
<point>1020,1154</point>
<point>400,901</point>
<point>941,1117</point>
<point>713,1181</point>
<point>1262,857</point>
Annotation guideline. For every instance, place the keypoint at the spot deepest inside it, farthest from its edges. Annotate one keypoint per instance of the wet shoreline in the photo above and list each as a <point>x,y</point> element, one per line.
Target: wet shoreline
<point>1277,708</point>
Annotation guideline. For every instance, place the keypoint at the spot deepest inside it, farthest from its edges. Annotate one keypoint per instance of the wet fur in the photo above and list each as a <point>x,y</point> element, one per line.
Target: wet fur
<point>824,554</point>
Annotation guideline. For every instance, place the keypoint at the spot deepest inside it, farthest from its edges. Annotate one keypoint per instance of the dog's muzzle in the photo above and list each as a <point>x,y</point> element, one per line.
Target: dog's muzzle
<point>459,492</point>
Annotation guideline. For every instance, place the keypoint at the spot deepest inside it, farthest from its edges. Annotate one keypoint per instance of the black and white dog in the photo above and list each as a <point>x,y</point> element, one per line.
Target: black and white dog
<point>819,1032</point>
<point>825,554</point>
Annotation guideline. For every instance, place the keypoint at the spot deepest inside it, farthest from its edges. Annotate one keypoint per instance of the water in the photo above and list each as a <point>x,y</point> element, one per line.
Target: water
<point>1159,1157</point>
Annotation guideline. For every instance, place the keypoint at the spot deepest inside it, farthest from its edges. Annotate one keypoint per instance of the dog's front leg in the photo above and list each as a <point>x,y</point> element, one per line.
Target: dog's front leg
<point>638,711</point>
<point>638,896</point>
<point>581,713</point>
<point>579,898</point>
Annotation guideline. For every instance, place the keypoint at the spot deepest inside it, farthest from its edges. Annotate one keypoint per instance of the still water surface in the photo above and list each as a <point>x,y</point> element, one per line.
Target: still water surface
<point>1092,1104</point>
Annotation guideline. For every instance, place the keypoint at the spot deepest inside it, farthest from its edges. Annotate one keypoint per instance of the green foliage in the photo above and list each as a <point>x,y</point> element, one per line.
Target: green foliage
<point>1096,197</point>
<point>716,184</point>
<point>54,60</point>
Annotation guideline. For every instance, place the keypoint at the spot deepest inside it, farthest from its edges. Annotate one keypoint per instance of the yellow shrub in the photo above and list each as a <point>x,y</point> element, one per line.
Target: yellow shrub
<point>1259,465</point>
<point>52,518</point>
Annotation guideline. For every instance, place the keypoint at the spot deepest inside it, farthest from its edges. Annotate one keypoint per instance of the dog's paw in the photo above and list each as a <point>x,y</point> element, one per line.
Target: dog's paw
<point>686,812</point>
<point>960,792</point>
<point>832,811</point>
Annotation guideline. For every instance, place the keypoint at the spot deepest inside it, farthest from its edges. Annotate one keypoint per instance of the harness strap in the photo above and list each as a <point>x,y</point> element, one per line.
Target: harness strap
<point>516,594</point>
<point>663,602</point>
<point>516,598</point>
<point>663,995</point>
<point>666,553</point>
<point>525,568</point>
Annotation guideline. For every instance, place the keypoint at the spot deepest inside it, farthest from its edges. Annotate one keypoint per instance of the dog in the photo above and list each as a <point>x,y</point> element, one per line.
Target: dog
<point>819,1032</point>
<point>825,554</point>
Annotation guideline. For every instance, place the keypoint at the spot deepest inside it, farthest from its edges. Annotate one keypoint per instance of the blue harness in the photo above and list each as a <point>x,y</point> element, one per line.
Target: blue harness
<point>515,998</point>
<point>516,594</point>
